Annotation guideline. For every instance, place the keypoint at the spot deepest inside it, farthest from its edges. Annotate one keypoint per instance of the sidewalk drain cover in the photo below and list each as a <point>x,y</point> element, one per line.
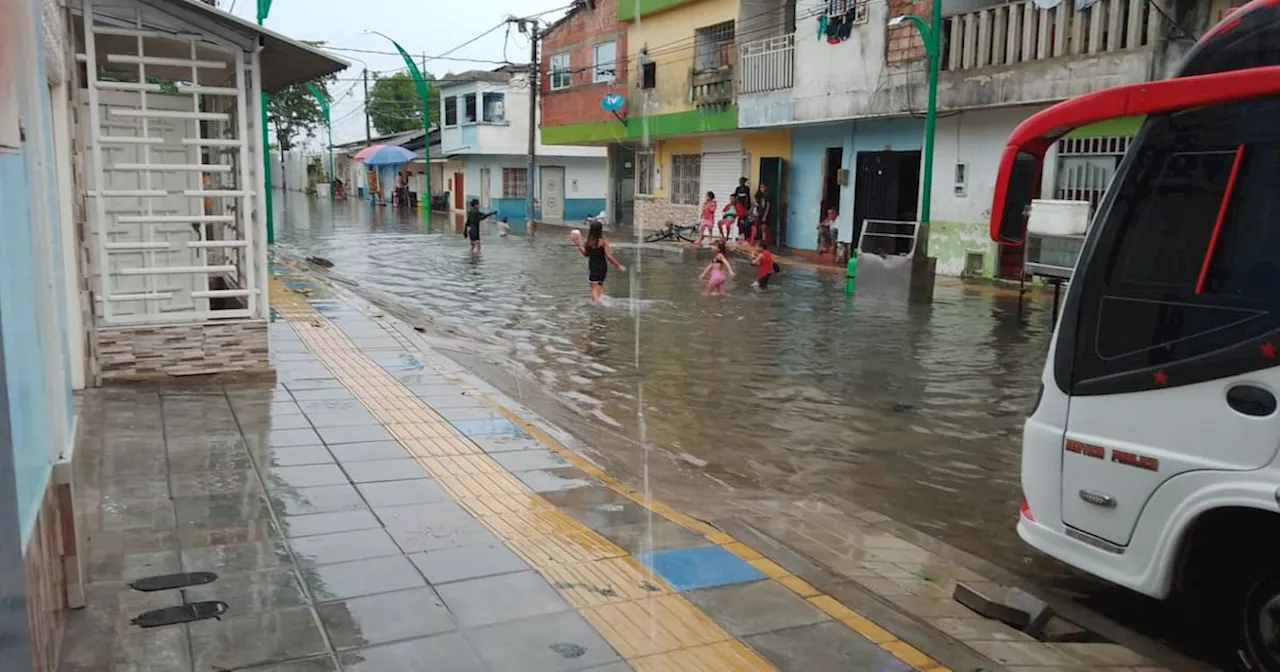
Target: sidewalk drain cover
<point>196,611</point>
<point>171,581</point>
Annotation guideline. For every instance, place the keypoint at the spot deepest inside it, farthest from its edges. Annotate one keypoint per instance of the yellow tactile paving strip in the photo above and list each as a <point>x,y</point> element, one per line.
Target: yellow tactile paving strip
<point>833,608</point>
<point>582,564</point>
<point>650,626</point>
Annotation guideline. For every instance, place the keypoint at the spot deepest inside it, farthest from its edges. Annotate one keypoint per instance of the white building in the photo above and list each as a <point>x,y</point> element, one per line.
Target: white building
<point>485,139</point>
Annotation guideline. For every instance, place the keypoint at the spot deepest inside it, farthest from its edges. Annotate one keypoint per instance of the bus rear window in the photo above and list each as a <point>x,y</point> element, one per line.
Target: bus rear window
<point>1188,257</point>
<point>1173,217</point>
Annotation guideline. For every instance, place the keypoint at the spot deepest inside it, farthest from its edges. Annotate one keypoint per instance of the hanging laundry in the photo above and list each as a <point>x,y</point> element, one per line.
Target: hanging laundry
<point>835,24</point>
<point>846,26</point>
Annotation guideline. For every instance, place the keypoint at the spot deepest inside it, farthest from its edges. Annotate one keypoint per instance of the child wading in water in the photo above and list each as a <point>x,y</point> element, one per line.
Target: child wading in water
<point>764,264</point>
<point>596,249</point>
<point>707,219</point>
<point>720,270</point>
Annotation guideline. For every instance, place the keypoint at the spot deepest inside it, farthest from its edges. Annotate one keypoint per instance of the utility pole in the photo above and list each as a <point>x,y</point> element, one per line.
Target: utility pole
<point>534,82</point>
<point>368,135</point>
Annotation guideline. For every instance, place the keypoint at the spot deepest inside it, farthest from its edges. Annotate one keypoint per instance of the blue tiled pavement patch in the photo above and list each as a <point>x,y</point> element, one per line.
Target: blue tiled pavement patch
<point>487,426</point>
<point>700,567</point>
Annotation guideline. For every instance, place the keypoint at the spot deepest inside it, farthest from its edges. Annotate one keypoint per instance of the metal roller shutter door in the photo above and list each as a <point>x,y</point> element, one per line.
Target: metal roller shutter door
<point>720,173</point>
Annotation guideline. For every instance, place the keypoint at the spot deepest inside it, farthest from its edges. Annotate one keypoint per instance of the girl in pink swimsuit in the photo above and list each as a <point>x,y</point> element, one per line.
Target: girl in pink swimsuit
<point>720,271</point>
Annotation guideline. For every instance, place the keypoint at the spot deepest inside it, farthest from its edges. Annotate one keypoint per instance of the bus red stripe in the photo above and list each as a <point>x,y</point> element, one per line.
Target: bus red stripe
<point>1222,214</point>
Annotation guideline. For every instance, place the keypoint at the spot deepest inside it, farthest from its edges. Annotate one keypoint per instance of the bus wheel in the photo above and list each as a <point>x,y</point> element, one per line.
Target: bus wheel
<point>1262,624</point>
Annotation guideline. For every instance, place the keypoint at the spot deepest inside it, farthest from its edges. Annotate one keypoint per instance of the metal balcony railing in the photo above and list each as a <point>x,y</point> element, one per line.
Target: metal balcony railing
<point>767,65</point>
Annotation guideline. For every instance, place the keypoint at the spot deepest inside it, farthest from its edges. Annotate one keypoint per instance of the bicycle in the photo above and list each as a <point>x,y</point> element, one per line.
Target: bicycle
<point>686,234</point>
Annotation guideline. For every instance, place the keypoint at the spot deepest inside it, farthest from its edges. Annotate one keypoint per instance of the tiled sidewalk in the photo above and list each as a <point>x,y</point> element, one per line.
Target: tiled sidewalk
<point>369,514</point>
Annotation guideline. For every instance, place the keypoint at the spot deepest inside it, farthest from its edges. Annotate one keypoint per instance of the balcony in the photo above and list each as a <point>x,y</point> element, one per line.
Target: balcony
<point>711,78</point>
<point>767,65</point>
<point>1019,32</point>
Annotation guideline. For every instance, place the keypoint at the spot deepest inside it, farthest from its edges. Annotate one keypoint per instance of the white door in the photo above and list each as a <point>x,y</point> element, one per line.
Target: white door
<point>486,188</point>
<point>130,220</point>
<point>720,173</point>
<point>552,189</point>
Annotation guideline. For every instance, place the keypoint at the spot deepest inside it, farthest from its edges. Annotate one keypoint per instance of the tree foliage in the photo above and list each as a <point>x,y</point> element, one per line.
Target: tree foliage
<point>294,112</point>
<point>394,106</point>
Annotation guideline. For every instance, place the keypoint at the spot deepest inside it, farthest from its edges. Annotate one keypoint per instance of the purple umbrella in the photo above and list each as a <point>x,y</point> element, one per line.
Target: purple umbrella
<point>385,155</point>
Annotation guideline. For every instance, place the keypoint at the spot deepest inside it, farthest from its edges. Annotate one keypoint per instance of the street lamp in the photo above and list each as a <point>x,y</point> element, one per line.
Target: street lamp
<point>931,35</point>
<point>264,8</point>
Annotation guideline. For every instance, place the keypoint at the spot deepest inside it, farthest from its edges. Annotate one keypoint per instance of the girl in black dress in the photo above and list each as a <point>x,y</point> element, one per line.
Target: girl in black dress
<point>596,249</point>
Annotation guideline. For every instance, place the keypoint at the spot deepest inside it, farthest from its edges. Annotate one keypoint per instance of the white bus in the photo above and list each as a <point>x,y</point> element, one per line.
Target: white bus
<point>1151,458</point>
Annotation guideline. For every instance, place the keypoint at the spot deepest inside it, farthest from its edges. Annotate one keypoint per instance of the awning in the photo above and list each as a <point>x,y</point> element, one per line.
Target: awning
<point>285,62</point>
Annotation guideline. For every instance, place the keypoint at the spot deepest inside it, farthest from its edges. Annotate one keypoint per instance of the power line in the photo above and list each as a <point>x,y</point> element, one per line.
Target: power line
<point>396,53</point>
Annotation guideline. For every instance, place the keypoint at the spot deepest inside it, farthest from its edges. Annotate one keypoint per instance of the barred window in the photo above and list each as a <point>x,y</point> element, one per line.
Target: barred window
<point>515,183</point>
<point>686,178</point>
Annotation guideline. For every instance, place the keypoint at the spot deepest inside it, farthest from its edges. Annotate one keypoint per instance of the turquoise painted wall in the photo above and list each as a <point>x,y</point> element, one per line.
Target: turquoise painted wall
<point>576,209</point>
<point>808,150</point>
<point>32,293</point>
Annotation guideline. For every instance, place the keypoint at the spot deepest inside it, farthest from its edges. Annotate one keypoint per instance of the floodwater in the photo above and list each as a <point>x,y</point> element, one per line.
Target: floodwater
<point>912,411</point>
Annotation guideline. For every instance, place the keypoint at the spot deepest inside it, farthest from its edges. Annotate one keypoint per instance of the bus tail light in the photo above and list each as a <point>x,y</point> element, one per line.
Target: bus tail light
<point>1025,510</point>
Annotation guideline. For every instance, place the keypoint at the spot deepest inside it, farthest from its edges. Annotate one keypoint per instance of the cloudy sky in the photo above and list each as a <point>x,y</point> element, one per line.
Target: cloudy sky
<point>421,26</point>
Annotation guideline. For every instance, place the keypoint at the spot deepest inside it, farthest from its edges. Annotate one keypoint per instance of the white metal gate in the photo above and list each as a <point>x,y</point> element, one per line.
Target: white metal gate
<point>169,173</point>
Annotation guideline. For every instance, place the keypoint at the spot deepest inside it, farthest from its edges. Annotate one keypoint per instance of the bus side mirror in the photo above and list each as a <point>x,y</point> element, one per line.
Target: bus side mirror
<point>1012,203</point>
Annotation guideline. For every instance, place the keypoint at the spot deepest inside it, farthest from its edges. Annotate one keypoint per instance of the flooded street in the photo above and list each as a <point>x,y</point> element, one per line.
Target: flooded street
<point>911,411</point>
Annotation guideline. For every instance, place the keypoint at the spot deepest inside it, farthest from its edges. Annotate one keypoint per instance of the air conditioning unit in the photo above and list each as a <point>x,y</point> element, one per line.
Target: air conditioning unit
<point>1055,236</point>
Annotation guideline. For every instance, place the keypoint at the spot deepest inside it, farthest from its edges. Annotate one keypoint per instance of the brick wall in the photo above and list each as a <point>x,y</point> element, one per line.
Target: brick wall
<point>902,43</point>
<point>655,213</point>
<point>46,580</point>
<point>162,351</point>
<point>576,35</point>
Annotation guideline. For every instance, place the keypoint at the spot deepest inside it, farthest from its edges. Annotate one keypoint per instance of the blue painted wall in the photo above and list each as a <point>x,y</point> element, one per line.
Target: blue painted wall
<point>576,209</point>
<point>808,148</point>
<point>31,290</point>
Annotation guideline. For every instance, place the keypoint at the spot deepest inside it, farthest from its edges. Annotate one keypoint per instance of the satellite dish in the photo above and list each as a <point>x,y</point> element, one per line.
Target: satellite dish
<point>1046,4</point>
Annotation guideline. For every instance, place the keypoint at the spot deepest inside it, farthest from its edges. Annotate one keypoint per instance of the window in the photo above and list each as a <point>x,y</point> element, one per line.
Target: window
<point>495,107</point>
<point>713,46</point>
<point>559,71</point>
<point>469,106</point>
<point>605,57</point>
<point>686,178</point>
<point>1085,167</point>
<point>515,183</point>
<point>648,75</point>
<point>644,173</point>
<point>961,186</point>
<point>451,111</point>
<point>1185,272</point>
<point>852,12</point>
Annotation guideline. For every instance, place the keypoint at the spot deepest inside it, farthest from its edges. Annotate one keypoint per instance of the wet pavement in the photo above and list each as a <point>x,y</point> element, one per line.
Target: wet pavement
<point>913,411</point>
<point>382,509</point>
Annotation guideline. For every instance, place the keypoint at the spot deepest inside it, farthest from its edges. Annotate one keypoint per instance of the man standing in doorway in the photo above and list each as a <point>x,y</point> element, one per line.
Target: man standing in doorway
<point>743,195</point>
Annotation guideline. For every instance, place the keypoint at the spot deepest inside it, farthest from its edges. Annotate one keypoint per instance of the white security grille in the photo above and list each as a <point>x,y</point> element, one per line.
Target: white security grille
<point>169,173</point>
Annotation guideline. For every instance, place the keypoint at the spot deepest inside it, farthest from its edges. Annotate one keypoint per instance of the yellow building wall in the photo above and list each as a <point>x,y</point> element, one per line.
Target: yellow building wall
<point>760,144</point>
<point>669,36</point>
<point>662,153</point>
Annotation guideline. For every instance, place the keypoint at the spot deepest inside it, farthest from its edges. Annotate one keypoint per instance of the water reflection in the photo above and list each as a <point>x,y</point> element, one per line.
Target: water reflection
<point>914,411</point>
